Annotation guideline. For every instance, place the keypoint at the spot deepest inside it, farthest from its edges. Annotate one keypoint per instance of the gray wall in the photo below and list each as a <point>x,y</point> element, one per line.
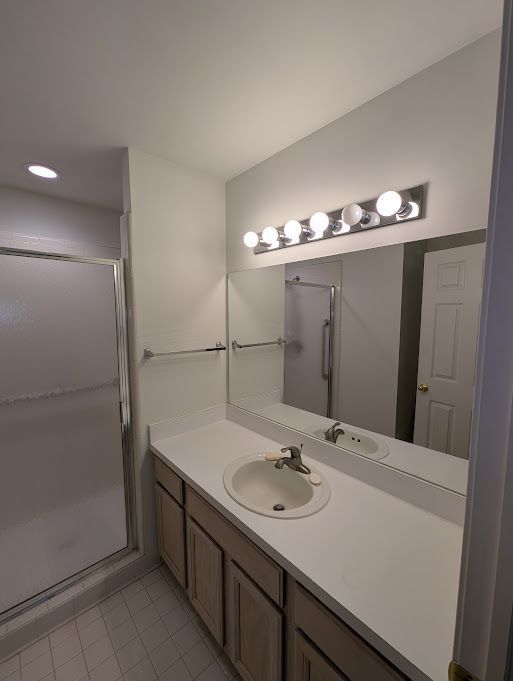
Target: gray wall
<point>370,323</point>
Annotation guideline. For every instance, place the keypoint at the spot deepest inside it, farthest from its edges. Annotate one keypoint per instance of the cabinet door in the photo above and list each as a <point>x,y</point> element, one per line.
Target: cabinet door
<point>255,629</point>
<point>310,665</point>
<point>171,533</point>
<point>205,574</point>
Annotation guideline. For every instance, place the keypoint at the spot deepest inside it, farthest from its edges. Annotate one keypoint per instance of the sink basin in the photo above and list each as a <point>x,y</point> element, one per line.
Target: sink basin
<point>358,442</point>
<point>259,486</point>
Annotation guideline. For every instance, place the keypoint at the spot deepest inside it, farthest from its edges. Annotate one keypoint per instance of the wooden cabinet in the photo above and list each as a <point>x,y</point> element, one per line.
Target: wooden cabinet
<point>169,480</point>
<point>171,533</point>
<point>255,630</point>
<point>247,600</point>
<point>205,575</point>
<point>310,664</point>
<point>262,569</point>
<point>348,651</point>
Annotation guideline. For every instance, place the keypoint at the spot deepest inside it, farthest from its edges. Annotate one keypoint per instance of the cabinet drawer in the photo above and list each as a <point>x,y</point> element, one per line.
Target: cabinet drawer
<point>169,480</point>
<point>355,658</point>
<point>267,574</point>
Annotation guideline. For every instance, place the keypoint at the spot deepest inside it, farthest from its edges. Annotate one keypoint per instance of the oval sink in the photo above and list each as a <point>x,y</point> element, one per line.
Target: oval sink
<point>358,442</point>
<point>259,486</point>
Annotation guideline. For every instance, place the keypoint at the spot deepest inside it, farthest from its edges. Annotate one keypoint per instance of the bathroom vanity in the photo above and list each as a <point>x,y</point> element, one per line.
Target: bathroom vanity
<point>348,593</point>
<point>252,607</point>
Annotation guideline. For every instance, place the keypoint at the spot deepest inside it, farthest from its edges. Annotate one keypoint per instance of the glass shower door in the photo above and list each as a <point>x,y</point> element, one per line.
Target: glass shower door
<point>308,353</point>
<point>62,491</point>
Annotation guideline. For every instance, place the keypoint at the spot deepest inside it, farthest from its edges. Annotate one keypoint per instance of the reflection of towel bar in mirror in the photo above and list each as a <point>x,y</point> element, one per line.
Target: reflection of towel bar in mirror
<point>237,346</point>
<point>298,282</point>
<point>149,354</point>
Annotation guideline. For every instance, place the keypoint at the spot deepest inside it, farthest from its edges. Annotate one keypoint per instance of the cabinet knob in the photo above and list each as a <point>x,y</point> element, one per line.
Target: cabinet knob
<point>423,388</point>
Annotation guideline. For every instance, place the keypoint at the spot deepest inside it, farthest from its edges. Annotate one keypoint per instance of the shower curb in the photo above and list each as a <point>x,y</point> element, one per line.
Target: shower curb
<point>21,631</point>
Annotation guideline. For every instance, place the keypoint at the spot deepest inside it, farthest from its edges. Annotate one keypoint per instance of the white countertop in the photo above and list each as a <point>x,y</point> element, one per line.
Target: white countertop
<point>385,566</point>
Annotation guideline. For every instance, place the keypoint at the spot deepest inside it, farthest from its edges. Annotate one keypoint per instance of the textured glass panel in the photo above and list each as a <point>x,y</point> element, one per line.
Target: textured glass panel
<point>62,502</point>
<point>306,381</point>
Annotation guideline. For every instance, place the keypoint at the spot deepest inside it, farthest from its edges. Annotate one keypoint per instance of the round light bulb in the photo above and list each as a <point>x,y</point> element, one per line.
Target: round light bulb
<point>42,171</point>
<point>270,235</point>
<point>251,239</point>
<point>373,220</point>
<point>412,212</point>
<point>389,203</point>
<point>319,222</point>
<point>292,229</point>
<point>342,228</point>
<point>352,214</point>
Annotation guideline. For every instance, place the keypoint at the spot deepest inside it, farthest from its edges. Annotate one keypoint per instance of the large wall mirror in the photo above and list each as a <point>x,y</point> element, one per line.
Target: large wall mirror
<point>372,350</point>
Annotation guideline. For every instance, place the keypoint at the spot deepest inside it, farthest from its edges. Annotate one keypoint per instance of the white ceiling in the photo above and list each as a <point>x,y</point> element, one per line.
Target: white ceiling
<point>217,84</point>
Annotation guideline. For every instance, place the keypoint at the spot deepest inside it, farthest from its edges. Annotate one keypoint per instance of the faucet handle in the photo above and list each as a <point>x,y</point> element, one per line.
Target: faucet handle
<point>294,451</point>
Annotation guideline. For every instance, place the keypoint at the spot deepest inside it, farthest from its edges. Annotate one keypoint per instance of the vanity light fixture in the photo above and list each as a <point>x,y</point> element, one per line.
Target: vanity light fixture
<point>394,203</point>
<point>40,170</point>
<point>412,213</point>
<point>270,235</point>
<point>390,208</point>
<point>293,230</point>
<point>342,228</point>
<point>373,219</point>
<point>319,223</point>
<point>251,239</point>
<point>354,214</point>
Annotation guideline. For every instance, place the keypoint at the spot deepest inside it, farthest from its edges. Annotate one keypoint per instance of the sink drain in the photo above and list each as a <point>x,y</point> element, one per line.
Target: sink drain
<point>278,507</point>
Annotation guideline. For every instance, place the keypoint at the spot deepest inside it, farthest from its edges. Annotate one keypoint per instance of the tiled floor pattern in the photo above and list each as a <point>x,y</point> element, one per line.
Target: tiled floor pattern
<point>145,632</point>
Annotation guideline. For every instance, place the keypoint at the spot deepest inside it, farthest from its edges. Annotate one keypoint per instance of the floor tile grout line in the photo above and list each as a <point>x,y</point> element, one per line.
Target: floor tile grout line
<point>75,615</point>
<point>138,635</point>
<point>182,601</point>
<point>116,651</point>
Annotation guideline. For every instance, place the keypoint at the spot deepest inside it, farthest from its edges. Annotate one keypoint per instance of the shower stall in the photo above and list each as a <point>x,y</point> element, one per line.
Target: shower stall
<point>309,330</point>
<point>65,476</point>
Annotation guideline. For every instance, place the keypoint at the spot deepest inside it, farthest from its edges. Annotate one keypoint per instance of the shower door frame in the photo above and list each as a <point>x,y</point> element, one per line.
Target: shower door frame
<point>125,413</point>
<point>332,289</point>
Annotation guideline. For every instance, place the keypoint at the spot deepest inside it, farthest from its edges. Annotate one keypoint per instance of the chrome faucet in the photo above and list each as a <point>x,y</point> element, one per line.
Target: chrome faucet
<point>333,432</point>
<point>293,461</point>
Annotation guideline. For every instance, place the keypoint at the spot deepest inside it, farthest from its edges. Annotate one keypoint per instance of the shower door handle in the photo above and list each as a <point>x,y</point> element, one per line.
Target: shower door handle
<point>325,349</point>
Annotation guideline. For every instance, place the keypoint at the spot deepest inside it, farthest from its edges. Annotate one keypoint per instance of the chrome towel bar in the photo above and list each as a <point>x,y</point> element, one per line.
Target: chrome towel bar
<point>237,346</point>
<point>149,354</point>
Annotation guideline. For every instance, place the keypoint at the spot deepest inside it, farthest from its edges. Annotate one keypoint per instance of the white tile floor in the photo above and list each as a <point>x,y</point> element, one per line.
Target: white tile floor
<point>145,632</point>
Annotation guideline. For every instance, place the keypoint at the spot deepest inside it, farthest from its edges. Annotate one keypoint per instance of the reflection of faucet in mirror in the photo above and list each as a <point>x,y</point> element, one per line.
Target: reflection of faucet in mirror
<point>333,432</point>
<point>294,461</point>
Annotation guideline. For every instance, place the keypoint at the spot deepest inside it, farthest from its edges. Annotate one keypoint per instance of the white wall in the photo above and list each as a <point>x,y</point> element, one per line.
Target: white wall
<point>370,322</point>
<point>36,222</point>
<point>437,127</point>
<point>256,315</point>
<point>177,293</point>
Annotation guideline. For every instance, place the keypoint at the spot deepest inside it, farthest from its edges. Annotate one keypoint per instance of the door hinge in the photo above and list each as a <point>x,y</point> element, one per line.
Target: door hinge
<point>458,673</point>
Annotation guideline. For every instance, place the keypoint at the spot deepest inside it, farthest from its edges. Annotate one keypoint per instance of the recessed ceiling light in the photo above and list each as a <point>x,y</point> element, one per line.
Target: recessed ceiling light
<point>45,172</point>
